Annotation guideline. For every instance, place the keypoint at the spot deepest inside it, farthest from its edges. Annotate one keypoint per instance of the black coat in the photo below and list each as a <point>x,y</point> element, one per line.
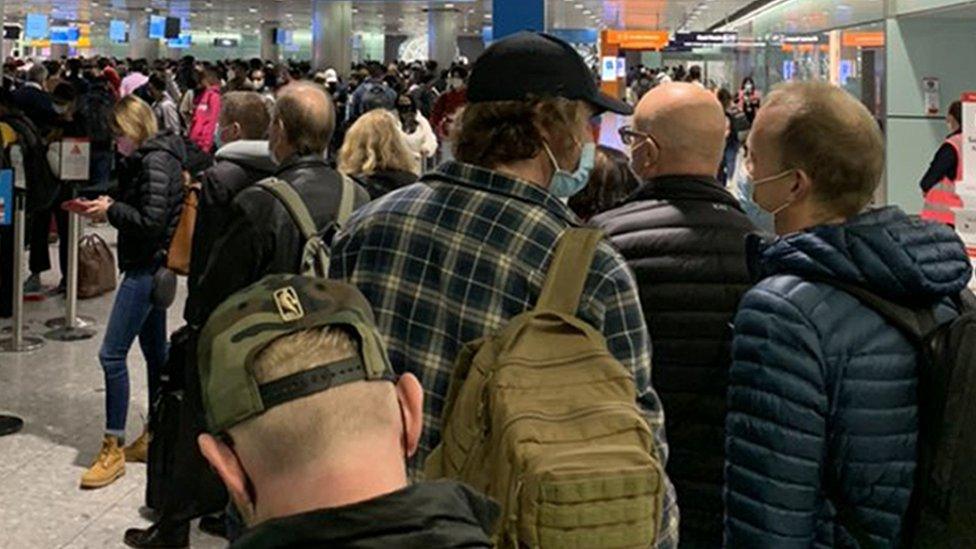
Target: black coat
<point>684,237</point>
<point>38,106</point>
<point>427,515</point>
<point>238,166</point>
<point>378,184</point>
<point>149,201</point>
<point>261,238</point>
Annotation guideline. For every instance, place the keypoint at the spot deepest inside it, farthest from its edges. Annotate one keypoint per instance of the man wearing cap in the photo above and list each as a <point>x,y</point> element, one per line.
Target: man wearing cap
<point>310,428</point>
<point>453,258</point>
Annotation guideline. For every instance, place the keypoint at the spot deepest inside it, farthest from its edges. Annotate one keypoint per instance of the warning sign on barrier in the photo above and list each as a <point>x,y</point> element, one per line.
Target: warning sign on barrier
<point>75,159</point>
<point>6,197</point>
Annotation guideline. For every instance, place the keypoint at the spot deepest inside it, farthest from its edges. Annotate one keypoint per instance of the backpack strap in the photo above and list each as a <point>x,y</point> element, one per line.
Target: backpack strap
<point>568,270</point>
<point>292,202</point>
<point>916,323</point>
<point>347,202</point>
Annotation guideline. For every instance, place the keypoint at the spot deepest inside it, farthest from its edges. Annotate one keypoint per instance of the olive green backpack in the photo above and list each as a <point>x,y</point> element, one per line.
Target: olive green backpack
<point>542,418</point>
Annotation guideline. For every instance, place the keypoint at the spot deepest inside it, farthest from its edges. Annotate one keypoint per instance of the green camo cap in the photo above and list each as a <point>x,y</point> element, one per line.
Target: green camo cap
<point>279,305</point>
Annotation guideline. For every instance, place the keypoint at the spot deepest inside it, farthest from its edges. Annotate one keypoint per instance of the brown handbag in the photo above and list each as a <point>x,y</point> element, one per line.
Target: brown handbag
<point>180,247</point>
<point>96,267</point>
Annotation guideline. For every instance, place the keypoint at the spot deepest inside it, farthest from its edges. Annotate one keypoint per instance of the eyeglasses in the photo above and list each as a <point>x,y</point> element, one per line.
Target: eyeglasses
<point>629,136</point>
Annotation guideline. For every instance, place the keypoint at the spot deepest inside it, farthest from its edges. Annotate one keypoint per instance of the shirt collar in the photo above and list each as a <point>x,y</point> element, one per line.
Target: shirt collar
<point>494,182</point>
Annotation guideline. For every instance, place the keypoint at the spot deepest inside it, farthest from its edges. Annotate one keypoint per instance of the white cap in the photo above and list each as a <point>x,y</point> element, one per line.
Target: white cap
<point>331,76</point>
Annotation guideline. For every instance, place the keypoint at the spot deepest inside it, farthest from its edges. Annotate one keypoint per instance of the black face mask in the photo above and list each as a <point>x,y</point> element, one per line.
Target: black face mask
<point>405,109</point>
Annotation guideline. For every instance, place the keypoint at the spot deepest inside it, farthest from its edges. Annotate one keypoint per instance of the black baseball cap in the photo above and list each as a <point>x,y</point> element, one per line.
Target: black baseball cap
<point>540,65</point>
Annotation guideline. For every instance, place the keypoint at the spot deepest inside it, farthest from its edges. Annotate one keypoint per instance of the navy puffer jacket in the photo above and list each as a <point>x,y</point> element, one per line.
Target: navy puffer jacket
<point>822,387</point>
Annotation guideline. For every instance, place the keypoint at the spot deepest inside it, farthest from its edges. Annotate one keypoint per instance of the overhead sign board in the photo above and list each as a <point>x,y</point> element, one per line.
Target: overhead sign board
<point>699,39</point>
<point>636,39</point>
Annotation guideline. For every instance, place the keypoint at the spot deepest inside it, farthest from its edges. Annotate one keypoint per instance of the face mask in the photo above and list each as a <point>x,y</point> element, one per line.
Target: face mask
<point>564,184</point>
<point>748,88</point>
<point>259,84</point>
<point>757,215</point>
<point>60,109</point>
<point>125,146</point>
<point>217,139</point>
<point>770,209</point>
<point>454,83</point>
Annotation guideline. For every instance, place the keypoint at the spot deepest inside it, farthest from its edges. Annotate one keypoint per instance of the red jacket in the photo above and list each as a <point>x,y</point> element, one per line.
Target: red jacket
<point>205,115</point>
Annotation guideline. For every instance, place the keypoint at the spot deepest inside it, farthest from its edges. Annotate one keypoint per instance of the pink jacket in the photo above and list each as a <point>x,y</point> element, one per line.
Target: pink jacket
<point>205,116</point>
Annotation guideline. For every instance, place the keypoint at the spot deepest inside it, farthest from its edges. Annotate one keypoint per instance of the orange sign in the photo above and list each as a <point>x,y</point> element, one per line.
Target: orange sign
<point>863,39</point>
<point>636,39</point>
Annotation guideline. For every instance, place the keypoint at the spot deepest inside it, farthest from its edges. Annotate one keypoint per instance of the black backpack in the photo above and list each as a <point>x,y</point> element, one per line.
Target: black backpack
<point>43,187</point>
<point>942,509</point>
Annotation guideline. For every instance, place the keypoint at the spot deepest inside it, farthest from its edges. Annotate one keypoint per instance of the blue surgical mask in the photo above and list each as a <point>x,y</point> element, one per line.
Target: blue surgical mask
<point>565,184</point>
<point>745,189</point>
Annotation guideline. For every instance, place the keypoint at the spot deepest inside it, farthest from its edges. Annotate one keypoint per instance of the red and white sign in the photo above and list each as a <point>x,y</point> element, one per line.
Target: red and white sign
<point>75,159</point>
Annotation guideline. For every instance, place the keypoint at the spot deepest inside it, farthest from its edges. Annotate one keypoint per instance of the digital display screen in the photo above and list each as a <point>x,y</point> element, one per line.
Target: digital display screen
<point>157,26</point>
<point>183,41</point>
<point>65,35</point>
<point>36,25</point>
<point>118,30</point>
<point>225,42</point>
<point>284,37</point>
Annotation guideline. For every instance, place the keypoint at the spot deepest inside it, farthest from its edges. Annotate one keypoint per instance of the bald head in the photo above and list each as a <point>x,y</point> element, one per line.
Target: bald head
<point>688,126</point>
<point>306,118</point>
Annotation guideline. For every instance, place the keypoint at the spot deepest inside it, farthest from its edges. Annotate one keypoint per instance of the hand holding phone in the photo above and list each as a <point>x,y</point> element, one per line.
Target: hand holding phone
<point>77,205</point>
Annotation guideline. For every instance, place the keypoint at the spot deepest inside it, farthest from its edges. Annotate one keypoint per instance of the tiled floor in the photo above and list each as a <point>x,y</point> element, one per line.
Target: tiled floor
<point>58,390</point>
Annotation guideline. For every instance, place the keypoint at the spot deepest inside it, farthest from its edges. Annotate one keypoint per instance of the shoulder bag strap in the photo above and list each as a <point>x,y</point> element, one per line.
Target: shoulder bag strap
<point>568,270</point>
<point>292,202</point>
<point>347,202</point>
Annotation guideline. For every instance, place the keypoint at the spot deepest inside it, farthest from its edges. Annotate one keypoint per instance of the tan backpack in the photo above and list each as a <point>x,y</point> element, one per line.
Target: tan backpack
<point>542,418</point>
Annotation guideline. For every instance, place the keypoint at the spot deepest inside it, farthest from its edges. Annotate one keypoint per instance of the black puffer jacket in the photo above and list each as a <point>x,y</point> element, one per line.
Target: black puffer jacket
<point>261,238</point>
<point>149,201</point>
<point>684,237</point>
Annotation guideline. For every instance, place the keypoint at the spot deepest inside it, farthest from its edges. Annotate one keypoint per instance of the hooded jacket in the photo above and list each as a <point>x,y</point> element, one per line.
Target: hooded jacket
<point>440,515</point>
<point>148,202</point>
<point>823,402</point>
<point>238,165</point>
<point>684,237</point>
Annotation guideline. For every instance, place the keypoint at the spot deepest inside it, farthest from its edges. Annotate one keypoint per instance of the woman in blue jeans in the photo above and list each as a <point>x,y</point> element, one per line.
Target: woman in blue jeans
<point>145,213</point>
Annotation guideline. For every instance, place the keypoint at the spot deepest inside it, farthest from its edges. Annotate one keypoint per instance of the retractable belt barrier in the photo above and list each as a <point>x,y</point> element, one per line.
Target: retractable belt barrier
<point>17,342</point>
<point>74,159</point>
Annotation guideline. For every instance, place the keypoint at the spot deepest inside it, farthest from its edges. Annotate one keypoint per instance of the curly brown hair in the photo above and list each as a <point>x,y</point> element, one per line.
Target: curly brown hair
<point>495,133</point>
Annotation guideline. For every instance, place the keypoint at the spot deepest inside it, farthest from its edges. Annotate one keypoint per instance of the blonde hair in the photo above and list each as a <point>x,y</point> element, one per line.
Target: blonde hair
<point>375,143</point>
<point>133,118</point>
<point>305,431</point>
<point>832,137</point>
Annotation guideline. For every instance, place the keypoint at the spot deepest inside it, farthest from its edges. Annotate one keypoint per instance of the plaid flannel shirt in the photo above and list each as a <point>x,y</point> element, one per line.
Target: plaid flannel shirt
<point>453,258</point>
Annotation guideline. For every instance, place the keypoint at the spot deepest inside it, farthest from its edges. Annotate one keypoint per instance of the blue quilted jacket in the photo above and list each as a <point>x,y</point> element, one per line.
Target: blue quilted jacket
<point>822,388</point>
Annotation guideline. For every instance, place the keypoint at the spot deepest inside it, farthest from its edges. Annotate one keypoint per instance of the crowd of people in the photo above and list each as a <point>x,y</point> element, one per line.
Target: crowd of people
<point>378,406</point>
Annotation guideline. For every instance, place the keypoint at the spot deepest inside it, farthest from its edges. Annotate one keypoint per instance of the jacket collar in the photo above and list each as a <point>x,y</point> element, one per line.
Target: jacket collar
<point>483,179</point>
<point>685,187</point>
<point>296,162</point>
<point>441,514</point>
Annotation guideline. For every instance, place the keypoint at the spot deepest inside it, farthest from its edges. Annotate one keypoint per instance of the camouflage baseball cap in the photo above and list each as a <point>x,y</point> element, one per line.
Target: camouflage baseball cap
<point>279,305</point>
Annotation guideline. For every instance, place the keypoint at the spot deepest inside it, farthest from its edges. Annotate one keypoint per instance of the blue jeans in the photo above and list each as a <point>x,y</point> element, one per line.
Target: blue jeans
<point>133,314</point>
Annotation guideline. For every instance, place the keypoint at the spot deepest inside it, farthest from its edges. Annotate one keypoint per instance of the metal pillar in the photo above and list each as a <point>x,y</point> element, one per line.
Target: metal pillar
<point>140,45</point>
<point>71,327</point>
<point>442,35</point>
<point>332,35</point>
<point>18,343</point>
<point>269,49</point>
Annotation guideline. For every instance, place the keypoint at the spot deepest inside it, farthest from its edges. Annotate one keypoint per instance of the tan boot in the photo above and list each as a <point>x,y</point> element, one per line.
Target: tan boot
<point>138,451</point>
<point>108,466</point>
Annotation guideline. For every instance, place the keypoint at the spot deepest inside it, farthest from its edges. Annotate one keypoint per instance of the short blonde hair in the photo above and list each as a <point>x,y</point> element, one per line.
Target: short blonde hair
<point>133,118</point>
<point>375,143</point>
<point>305,431</point>
<point>833,138</point>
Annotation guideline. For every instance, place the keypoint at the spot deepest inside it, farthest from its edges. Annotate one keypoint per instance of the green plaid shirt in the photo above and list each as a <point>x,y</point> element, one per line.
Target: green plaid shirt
<point>453,258</point>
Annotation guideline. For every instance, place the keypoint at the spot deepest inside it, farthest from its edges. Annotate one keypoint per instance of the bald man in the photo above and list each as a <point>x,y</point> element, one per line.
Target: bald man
<point>684,237</point>
<point>261,237</point>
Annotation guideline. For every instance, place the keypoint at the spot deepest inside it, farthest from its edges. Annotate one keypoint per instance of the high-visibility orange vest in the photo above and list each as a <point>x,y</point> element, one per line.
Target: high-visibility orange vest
<point>942,198</point>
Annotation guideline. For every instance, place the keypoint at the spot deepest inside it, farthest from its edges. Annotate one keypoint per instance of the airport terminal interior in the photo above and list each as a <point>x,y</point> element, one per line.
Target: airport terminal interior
<point>907,67</point>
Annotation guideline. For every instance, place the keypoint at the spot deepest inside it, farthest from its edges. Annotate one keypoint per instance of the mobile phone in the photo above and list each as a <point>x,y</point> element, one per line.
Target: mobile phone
<point>77,205</point>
